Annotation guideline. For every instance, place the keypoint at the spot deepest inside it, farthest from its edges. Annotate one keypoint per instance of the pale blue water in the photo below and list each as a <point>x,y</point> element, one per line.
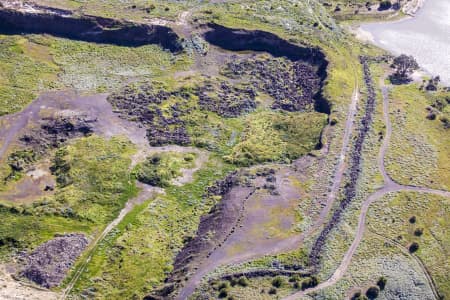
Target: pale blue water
<point>426,37</point>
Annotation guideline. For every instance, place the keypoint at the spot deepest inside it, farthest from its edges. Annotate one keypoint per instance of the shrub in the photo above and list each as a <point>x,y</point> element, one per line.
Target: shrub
<point>243,281</point>
<point>412,220</point>
<point>382,283</point>
<point>413,247</point>
<point>223,285</point>
<point>277,281</point>
<point>309,282</point>
<point>233,281</point>
<point>272,291</point>
<point>358,296</point>
<point>431,116</point>
<point>418,232</point>
<point>223,293</point>
<point>385,4</point>
<point>372,292</point>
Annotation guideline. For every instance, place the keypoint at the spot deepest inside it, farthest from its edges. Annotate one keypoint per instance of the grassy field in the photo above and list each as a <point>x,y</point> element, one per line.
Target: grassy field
<point>270,136</point>
<point>26,69</point>
<point>137,256</point>
<point>418,153</point>
<point>392,217</point>
<point>35,63</point>
<point>98,184</point>
<point>137,10</point>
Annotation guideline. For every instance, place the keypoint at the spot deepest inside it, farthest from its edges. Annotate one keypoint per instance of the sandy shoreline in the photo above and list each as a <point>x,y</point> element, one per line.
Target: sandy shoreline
<point>412,7</point>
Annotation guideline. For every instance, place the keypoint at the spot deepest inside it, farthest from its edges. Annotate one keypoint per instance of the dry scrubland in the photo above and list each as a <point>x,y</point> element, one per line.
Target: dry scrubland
<point>95,175</point>
<point>419,153</point>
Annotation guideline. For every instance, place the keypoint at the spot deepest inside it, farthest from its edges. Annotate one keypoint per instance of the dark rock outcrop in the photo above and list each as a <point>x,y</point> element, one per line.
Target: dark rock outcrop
<point>55,131</point>
<point>87,28</point>
<point>256,40</point>
<point>48,264</point>
<point>355,166</point>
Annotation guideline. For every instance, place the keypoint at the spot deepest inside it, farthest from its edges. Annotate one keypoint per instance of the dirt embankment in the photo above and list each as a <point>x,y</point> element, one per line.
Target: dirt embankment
<point>86,28</point>
<point>256,40</point>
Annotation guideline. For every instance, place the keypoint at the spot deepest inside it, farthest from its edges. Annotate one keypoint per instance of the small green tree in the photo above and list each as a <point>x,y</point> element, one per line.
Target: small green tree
<point>404,65</point>
<point>243,281</point>
<point>385,4</point>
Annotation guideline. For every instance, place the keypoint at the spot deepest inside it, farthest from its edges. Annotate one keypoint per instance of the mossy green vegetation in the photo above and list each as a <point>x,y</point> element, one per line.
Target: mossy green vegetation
<point>95,183</point>
<point>35,63</point>
<point>26,69</point>
<point>159,169</point>
<point>277,136</point>
<point>137,256</point>
<point>97,180</point>
<point>94,67</point>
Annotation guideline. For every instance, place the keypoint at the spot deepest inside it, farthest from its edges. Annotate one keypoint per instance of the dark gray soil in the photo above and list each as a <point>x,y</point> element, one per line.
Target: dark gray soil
<point>49,263</point>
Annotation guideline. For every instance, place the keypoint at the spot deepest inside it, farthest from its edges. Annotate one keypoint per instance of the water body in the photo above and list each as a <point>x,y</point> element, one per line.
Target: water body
<point>426,37</point>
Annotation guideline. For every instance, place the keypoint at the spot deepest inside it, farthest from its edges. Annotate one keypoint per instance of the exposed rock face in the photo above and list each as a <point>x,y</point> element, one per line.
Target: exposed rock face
<point>257,40</point>
<point>292,85</point>
<point>55,131</point>
<point>87,28</point>
<point>140,104</point>
<point>227,100</point>
<point>48,264</point>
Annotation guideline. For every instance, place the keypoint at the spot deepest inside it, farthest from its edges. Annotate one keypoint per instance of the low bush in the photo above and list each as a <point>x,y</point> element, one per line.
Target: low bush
<point>278,282</point>
<point>382,283</point>
<point>413,247</point>
<point>373,292</point>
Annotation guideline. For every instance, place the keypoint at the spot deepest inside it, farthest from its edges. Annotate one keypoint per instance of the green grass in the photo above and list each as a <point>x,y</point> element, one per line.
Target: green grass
<point>138,10</point>
<point>26,69</point>
<point>100,184</point>
<point>159,169</point>
<point>276,136</point>
<point>94,67</point>
<point>139,253</point>
<point>24,229</point>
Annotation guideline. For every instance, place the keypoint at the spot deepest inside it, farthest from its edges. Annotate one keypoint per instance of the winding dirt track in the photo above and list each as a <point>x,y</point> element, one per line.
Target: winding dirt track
<point>291,243</point>
<point>389,187</point>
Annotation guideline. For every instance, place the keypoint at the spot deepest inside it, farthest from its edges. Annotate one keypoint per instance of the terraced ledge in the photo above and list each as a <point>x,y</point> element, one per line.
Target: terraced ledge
<point>19,20</point>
